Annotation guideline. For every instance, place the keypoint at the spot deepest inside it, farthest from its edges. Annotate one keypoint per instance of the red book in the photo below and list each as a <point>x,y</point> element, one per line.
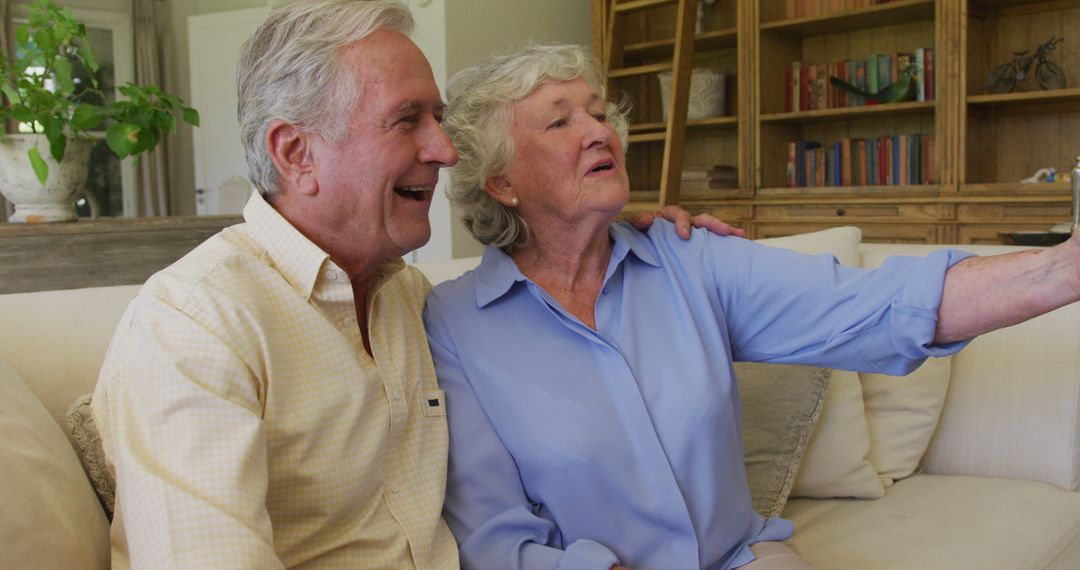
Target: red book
<point>804,89</point>
<point>903,174</point>
<point>928,71</point>
<point>863,178</point>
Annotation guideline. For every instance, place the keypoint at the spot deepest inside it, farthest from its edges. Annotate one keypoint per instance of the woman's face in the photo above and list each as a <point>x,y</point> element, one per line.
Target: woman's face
<point>568,162</point>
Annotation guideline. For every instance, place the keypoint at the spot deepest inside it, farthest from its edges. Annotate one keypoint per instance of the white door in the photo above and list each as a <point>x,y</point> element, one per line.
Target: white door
<point>215,40</point>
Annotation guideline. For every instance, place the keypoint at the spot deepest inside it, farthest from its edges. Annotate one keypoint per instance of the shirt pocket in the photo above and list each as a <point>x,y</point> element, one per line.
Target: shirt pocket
<point>433,402</point>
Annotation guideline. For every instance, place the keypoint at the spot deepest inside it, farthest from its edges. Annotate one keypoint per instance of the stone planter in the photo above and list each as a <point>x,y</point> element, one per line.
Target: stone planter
<point>54,202</point>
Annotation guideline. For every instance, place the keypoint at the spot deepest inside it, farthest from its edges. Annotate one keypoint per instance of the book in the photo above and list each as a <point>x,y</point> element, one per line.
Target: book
<point>790,165</point>
<point>928,72</point>
<point>920,74</point>
<point>796,83</point>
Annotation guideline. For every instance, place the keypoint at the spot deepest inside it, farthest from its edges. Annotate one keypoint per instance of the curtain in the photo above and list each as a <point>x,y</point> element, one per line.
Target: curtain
<point>5,47</point>
<point>152,168</point>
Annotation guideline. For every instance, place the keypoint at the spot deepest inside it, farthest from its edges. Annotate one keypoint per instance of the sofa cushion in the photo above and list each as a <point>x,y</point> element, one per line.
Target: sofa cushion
<point>49,516</point>
<point>83,433</point>
<point>78,324</point>
<point>842,243</point>
<point>780,405</point>
<point>835,463</point>
<point>1009,416</point>
<point>933,521</point>
<point>902,413</point>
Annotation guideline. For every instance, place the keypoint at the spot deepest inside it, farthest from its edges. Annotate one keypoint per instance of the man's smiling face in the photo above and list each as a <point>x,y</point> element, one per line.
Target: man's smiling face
<point>377,182</point>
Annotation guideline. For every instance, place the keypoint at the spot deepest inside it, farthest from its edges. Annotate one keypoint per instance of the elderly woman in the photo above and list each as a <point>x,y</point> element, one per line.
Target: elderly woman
<point>593,412</point>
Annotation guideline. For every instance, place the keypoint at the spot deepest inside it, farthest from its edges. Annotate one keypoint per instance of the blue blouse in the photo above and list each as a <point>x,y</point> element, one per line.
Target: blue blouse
<point>575,448</point>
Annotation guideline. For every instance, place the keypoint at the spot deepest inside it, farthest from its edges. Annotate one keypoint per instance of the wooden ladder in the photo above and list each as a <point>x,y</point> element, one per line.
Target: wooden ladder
<point>673,135</point>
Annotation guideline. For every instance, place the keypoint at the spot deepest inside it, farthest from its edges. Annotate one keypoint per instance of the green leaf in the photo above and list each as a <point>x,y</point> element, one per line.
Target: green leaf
<point>44,40</point>
<point>41,170</point>
<point>86,54</point>
<point>22,35</point>
<point>64,85</point>
<point>168,123</point>
<point>12,94</point>
<point>122,138</point>
<point>191,116</point>
<point>87,116</point>
<point>57,144</point>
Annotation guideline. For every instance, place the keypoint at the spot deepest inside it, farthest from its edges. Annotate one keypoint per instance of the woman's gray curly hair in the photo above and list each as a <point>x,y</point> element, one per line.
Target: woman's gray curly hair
<point>289,70</point>
<point>478,119</point>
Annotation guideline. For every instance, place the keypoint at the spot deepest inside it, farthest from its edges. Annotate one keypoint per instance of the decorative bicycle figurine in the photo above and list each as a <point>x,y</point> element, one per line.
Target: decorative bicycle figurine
<point>1047,73</point>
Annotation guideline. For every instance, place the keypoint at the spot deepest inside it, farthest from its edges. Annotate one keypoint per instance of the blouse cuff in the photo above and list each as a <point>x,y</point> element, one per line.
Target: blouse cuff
<point>914,313</point>
<point>587,555</point>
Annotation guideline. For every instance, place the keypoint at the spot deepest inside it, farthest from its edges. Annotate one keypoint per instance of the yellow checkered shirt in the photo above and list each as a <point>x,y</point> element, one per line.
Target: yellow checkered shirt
<point>247,427</point>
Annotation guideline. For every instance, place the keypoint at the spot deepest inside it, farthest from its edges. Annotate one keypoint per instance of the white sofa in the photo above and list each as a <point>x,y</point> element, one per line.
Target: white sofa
<point>996,489</point>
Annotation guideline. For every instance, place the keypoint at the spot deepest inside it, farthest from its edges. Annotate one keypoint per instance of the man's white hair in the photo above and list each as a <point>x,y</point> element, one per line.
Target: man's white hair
<point>289,70</point>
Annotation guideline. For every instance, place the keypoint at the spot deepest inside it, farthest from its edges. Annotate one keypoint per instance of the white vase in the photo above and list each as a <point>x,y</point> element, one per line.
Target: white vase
<point>34,203</point>
<point>708,89</point>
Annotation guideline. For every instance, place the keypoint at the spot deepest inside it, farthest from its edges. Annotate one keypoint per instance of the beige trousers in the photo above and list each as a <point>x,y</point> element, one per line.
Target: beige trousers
<point>776,556</point>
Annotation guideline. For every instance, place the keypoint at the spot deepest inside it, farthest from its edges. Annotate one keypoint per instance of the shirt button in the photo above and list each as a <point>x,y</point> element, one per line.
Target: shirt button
<point>331,274</point>
<point>348,322</point>
<point>606,290</point>
<point>394,488</point>
<point>397,394</point>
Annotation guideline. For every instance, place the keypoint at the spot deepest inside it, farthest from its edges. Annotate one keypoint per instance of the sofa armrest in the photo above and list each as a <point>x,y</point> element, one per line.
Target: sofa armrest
<point>1013,405</point>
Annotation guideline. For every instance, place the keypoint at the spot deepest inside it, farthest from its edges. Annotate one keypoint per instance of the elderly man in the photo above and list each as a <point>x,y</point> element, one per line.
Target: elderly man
<point>269,400</point>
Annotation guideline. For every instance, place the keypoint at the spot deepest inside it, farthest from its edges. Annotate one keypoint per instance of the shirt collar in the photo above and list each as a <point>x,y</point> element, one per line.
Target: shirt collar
<point>295,256</point>
<point>497,272</point>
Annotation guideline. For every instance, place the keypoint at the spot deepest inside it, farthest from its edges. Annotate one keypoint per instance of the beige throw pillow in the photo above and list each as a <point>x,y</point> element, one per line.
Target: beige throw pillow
<point>902,413</point>
<point>780,405</point>
<point>835,463</point>
<point>49,516</point>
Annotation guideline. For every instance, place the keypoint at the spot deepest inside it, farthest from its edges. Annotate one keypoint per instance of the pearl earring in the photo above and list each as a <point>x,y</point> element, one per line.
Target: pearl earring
<point>514,201</point>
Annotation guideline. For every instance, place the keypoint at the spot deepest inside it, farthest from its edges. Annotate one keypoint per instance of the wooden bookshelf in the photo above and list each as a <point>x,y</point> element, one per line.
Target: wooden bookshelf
<point>985,143</point>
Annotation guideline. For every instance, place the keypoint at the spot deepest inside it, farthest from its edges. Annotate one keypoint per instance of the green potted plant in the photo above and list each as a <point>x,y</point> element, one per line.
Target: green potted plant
<point>42,171</point>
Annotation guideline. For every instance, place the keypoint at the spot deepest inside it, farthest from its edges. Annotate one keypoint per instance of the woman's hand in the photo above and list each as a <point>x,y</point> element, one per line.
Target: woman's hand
<point>683,221</point>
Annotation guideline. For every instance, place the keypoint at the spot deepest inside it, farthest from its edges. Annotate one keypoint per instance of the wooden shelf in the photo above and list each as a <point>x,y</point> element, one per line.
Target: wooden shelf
<point>881,15</point>
<point>706,41</point>
<point>709,123</point>
<point>841,113</point>
<point>1027,98</point>
<point>919,191</point>
<point>640,5</point>
<point>1041,191</point>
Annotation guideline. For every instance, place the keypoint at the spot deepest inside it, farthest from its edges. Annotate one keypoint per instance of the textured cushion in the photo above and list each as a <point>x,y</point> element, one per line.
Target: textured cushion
<point>780,405</point>
<point>842,242</point>
<point>947,522</point>
<point>83,433</point>
<point>49,516</point>
<point>902,413</point>
<point>835,463</point>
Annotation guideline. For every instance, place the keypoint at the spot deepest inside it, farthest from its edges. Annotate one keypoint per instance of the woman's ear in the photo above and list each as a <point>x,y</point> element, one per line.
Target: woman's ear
<point>500,190</point>
<point>290,149</point>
